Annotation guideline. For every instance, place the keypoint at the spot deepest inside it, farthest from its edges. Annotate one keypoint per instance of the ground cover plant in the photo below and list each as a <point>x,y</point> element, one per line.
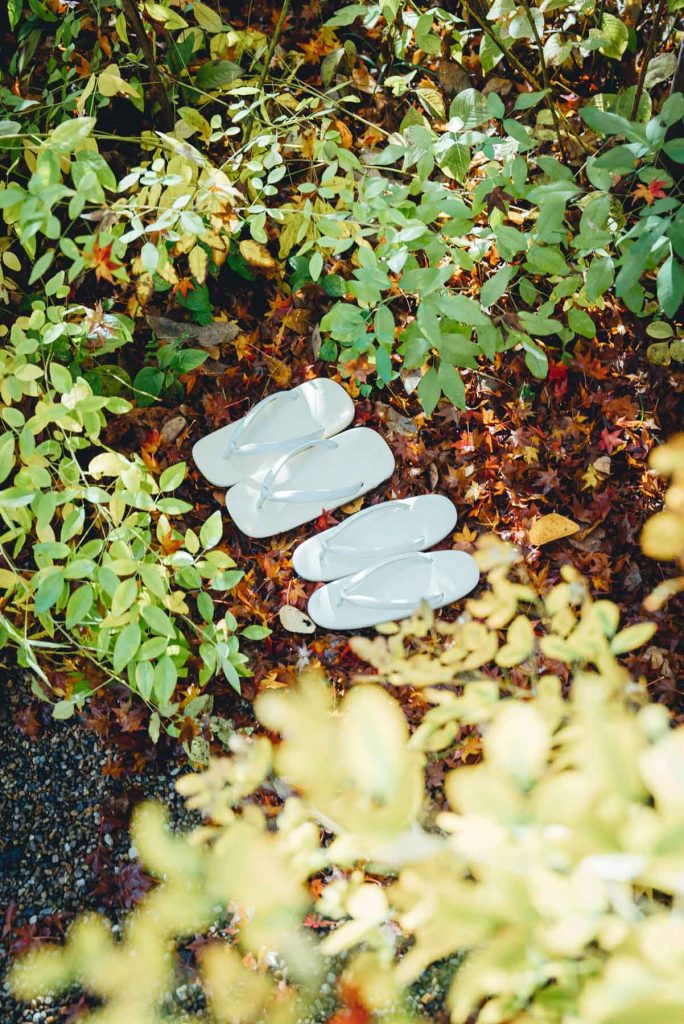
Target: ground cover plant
<point>470,217</point>
<point>553,868</point>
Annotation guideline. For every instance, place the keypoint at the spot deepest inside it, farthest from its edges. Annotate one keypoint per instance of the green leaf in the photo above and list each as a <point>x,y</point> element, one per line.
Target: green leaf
<point>384,325</point>
<point>78,605</point>
<point>526,100</point>
<point>345,322</point>
<point>41,265</point>
<point>451,384</point>
<point>14,12</point>
<point>187,360</point>
<point>63,709</point>
<point>632,636</point>
<point>148,384</point>
<point>580,322</point>
<point>67,135</point>
<point>207,18</point>
<point>127,644</point>
<point>495,286</point>
<point>49,592</point>
<point>6,455</point>
<point>462,310</point>
<point>205,606</point>
<point>670,286</point>
<point>675,150</point>
<point>612,124</point>
<point>469,109</point>
<point>256,632</point>
<point>165,679</point>
<point>124,596</point>
<point>600,277</point>
<point>144,679</point>
<point>172,477</point>
<point>347,15</point>
<point>616,36</point>
<point>158,621</point>
<point>456,161</point>
<point>214,75</point>
<point>429,391</point>
<point>211,530</point>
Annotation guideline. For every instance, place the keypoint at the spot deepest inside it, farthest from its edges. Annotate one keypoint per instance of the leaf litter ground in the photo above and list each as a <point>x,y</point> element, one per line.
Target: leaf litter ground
<point>575,445</point>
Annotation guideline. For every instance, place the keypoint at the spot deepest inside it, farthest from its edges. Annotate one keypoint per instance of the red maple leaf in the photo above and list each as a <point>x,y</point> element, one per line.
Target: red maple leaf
<point>609,442</point>
<point>100,260</point>
<point>183,286</point>
<point>654,190</point>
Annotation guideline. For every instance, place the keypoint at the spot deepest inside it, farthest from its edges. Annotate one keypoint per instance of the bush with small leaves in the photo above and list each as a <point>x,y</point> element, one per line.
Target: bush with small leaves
<point>554,871</point>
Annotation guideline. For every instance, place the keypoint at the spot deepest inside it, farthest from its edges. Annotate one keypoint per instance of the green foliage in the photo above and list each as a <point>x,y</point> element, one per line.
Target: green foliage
<point>477,227</point>
<point>95,573</point>
<point>553,873</point>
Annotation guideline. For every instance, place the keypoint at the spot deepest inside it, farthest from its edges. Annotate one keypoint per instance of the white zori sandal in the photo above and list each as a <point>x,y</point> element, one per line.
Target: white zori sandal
<point>277,424</point>
<point>394,589</point>
<point>316,476</point>
<point>375,533</point>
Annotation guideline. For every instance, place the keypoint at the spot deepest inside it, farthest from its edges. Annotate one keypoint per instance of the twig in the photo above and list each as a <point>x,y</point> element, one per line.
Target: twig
<point>646,58</point>
<point>269,55</point>
<point>132,16</point>
<point>545,76</point>
<point>519,66</point>
<point>507,52</point>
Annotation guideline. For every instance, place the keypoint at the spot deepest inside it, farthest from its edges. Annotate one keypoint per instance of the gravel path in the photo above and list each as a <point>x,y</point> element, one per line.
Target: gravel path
<point>64,842</point>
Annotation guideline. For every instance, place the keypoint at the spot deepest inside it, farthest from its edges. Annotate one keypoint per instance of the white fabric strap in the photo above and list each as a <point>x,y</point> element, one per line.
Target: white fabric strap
<point>369,601</point>
<point>330,545</point>
<point>267,493</point>
<point>238,447</point>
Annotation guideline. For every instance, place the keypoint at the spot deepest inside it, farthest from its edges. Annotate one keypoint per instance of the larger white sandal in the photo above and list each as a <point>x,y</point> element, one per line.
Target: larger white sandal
<point>280,423</point>
<point>375,533</point>
<point>316,476</point>
<point>394,589</point>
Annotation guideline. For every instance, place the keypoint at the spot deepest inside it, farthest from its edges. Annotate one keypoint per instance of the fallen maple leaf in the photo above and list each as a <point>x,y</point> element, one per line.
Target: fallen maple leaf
<point>608,441</point>
<point>649,193</point>
<point>549,528</point>
<point>100,260</point>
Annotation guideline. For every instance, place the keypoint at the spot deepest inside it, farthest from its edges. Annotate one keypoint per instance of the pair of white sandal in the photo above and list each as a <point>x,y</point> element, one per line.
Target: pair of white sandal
<point>289,459</point>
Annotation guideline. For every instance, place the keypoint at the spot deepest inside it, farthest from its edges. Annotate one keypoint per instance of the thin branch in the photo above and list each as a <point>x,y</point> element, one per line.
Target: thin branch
<point>507,52</point>
<point>135,22</point>
<point>662,6</point>
<point>269,56</point>
<point>519,66</point>
<point>545,76</point>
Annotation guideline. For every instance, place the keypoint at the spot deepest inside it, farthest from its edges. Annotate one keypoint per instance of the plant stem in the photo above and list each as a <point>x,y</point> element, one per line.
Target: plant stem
<point>515,63</point>
<point>135,22</point>
<point>508,53</point>
<point>545,77</point>
<point>660,10</point>
<point>277,31</point>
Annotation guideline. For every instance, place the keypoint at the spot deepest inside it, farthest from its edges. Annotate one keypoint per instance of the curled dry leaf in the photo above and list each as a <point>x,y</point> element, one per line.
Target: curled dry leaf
<point>294,620</point>
<point>551,527</point>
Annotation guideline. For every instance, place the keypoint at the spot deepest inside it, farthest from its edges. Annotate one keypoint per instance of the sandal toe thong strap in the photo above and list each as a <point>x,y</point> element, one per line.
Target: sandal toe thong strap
<point>237,446</point>
<point>330,544</point>
<point>267,491</point>
<point>370,601</point>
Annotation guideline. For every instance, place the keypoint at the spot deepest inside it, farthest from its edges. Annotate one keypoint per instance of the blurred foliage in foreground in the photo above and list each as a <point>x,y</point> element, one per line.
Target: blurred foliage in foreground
<point>556,867</point>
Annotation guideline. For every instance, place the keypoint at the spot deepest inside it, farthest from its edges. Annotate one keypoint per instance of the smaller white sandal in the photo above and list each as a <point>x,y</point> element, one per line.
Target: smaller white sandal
<point>315,477</point>
<point>280,423</point>
<point>394,589</point>
<point>375,533</point>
